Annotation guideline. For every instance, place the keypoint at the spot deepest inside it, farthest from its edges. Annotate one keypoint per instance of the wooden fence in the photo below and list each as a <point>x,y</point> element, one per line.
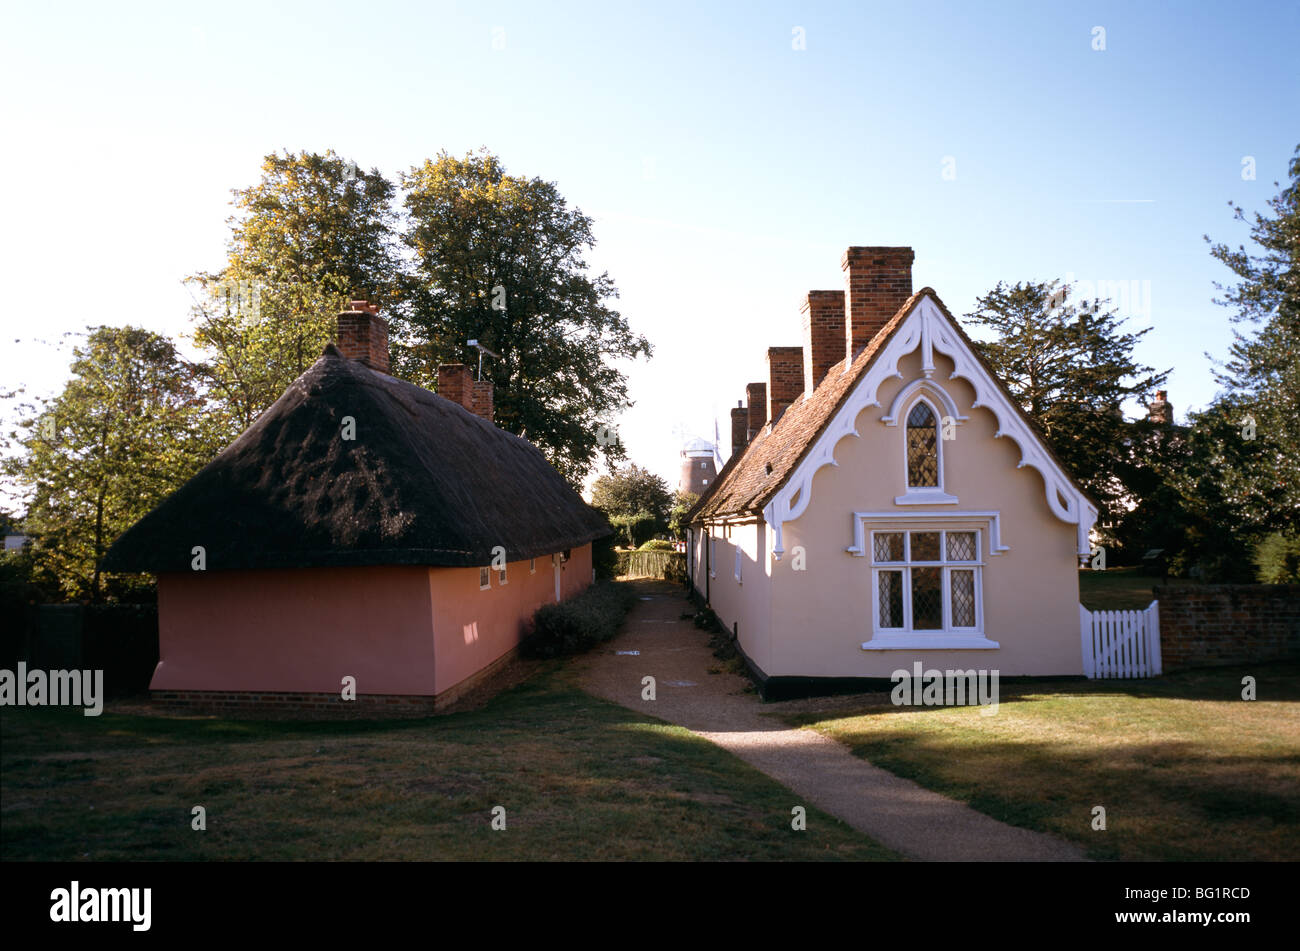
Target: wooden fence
<point>670,565</point>
<point>1120,643</point>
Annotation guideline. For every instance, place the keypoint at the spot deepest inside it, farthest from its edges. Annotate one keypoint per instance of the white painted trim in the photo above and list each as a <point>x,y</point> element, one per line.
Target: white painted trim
<point>926,328</point>
<point>927,496</point>
<point>930,386</point>
<point>933,642</point>
<point>906,635</point>
<point>993,521</point>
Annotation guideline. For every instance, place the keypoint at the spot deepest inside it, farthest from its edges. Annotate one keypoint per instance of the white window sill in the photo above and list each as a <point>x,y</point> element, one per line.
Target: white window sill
<point>925,497</point>
<point>937,642</point>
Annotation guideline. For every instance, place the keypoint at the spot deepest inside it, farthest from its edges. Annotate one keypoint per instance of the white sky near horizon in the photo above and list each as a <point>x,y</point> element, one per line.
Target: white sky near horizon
<point>726,170</point>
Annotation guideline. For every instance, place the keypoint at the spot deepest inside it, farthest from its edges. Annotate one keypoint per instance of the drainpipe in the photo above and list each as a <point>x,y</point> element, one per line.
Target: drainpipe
<point>708,564</point>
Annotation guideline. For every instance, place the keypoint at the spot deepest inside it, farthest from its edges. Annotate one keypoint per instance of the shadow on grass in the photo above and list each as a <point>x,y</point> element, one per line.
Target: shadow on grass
<point>579,778</point>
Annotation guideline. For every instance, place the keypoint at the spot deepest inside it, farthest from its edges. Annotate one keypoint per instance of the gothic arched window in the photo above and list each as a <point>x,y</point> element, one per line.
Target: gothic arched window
<point>922,447</point>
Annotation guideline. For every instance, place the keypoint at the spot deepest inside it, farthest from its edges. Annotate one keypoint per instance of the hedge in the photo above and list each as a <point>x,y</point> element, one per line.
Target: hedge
<point>578,624</point>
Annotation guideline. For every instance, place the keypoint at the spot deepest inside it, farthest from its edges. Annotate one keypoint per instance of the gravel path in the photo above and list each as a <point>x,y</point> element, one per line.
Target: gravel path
<point>896,812</point>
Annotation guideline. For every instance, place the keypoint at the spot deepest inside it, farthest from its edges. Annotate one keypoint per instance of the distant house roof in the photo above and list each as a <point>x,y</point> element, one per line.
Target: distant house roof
<point>424,482</point>
<point>753,477</point>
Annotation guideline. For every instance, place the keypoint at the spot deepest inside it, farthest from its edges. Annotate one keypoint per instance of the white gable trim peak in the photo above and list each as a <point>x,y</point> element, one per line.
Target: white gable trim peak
<point>927,329</point>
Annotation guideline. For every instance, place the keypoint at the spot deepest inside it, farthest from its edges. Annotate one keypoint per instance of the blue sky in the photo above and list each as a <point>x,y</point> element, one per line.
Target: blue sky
<point>726,169</point>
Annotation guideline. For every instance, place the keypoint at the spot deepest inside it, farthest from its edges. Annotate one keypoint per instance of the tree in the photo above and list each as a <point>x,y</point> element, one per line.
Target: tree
<point>128,428</point>
<point>499,259</point>
<point>683,502</point>
<point>1262,374</point>
<point>1070,366</point>
<point>314,232</point>
<point>636,501</point>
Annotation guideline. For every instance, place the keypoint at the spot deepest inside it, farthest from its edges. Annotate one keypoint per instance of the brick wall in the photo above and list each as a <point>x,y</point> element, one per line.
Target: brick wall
<point>297,705</point>
<point>784,378</point>
<point>822,314</point>
<point>877,282</point>
<point>1218,624</point>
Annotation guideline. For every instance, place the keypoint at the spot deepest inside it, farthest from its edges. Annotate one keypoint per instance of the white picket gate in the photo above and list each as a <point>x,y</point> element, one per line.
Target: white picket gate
<point>1120,643</point>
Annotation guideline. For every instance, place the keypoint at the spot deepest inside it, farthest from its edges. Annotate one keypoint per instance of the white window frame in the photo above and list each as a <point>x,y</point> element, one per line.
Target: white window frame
<point>484,578</point>
<point>924,494</point>
<point>740,557</point>
<point>532,566</point>
<point>947,637</point>
<point>501,576</point>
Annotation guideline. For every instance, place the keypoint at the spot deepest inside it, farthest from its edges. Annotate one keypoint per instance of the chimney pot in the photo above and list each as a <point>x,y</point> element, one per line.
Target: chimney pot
<point>878,281</point>
<point>823,335</point>
<point>784,379</point>
<point>739,428</point>
<point>756,400</point>
<point>456,382</point>
<point>363,335</point>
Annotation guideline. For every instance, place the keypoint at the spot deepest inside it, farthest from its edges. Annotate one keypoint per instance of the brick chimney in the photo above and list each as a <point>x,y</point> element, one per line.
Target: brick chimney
<point>739,428</point>
<point>756,398</point>
<point>456,382</point>
<point>1161,410</point>
<point>784,379</point>
<point>823,335</point>
<point>363,335</point>
<point>877,282</point>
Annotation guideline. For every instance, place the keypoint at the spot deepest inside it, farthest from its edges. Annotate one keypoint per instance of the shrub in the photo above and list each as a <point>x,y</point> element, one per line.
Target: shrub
<point>657,544</point>
<point>706,620</point>
<point>1277,559</point>
<point>578,624</point>
<point>604,558</point>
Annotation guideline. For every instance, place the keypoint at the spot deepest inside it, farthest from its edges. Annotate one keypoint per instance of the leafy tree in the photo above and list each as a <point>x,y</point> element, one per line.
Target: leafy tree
<point>128,428</point>
<point>314,232</point>
<point>1230,495</point>
<point>1257,458</point>
<point>1070,366</point>
<point>1277,559</point>
<point>682,504</point>
<point>636,501</point>
<point>499,259</point>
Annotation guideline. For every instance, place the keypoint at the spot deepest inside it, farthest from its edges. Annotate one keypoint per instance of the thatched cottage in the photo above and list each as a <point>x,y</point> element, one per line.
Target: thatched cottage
<point>888,503</point>
<point>364,528</point>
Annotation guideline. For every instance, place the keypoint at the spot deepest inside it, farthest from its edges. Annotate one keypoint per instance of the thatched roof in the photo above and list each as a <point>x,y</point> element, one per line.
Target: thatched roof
<point>424,482</point>
<point>752,477</point>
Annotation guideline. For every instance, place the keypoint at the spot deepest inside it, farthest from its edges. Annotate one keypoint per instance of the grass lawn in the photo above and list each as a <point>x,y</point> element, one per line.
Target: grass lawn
<point>1184,768</point>
<point>580,779</point>
<point>1116,589</point>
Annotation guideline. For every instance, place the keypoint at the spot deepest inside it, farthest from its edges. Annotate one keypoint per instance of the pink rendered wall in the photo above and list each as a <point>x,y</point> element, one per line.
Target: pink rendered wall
<point>305,629</point>
<point>296,630</point>
<point>473,627</point>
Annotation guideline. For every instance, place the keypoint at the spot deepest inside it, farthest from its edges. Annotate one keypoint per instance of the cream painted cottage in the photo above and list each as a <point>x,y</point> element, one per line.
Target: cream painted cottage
<point>887,502</point>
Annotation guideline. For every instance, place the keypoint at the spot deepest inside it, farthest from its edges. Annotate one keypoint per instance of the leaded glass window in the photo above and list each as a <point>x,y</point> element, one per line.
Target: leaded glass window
<point>922,447</point>
<point>931,582</point>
